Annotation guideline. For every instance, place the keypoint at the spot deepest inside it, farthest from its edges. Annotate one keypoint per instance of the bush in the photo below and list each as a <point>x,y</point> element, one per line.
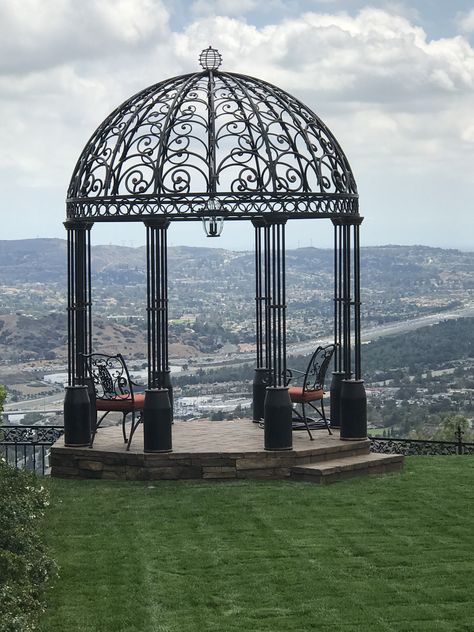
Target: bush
<point>25,567</point>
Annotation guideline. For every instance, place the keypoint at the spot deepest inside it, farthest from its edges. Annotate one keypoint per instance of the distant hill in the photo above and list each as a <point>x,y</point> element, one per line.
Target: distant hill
<point>211,293</point>
<point>32,260</point>
<point>44,261</point>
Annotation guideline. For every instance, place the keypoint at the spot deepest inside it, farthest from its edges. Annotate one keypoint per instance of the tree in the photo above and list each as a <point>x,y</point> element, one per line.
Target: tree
<point>448,427</point>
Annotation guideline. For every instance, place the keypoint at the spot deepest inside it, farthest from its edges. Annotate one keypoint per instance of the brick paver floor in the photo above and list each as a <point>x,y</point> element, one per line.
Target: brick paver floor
<point>205,436</point>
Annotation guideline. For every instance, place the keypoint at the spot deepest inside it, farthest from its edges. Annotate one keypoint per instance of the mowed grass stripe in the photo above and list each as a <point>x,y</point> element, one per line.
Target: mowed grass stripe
<point>380,553</point>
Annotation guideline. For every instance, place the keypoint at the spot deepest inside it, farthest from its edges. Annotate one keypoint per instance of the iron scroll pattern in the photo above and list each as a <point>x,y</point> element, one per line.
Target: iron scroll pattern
<point>28,447</point>
<point>239,140</point>
<point>46,435</point>
<point>416,447</point>
<point>109,376</point>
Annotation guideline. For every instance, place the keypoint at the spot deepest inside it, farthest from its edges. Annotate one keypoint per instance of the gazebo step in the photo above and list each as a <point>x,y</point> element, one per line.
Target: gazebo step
<point>340,468</point>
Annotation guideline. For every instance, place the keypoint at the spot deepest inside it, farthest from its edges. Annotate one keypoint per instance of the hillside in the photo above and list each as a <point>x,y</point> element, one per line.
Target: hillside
<point>44,261</point>
<point>211,294</point>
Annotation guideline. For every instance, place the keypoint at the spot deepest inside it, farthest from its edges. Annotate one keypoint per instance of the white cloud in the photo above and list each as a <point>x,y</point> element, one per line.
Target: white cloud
<point>465,21</point>
<point>393,97</point>
<point>223,7</point>
<point>35,34</point>
<point>373,56</point>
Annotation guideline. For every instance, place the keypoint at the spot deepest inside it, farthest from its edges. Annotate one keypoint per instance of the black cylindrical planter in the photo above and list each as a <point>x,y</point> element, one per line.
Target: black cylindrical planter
<point>353,410</point>
<point>278,422</point>
<point>157,421</point>
<point>77,417</point>
<point>335,401</point>
<point>259,387</point>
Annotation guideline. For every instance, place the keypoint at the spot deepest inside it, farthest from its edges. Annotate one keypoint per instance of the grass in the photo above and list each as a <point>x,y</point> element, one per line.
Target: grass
<point>385,553</point>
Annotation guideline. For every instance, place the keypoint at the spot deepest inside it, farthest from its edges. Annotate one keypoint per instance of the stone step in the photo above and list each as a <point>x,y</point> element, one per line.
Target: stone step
<point>342,467</point>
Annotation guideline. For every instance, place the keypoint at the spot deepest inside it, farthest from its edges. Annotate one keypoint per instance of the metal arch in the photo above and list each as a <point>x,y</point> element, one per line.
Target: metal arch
<point>256,112</point>
<point>315,121</point>
<point>170,121</point>
<point>251,137</point>
<point>105,188</point>
<point>84,163</point>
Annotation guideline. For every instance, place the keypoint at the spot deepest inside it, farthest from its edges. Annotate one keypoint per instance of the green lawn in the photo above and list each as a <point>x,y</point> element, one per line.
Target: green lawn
<point>391,552</point>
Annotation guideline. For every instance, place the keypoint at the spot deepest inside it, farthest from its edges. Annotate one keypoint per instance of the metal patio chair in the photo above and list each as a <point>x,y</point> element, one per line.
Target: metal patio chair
<point>114,392</point>
<point>311,391</point>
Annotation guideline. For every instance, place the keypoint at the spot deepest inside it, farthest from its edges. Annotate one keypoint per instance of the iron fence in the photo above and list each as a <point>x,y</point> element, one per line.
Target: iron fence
<point>28,447</point>
<point>416,447</point>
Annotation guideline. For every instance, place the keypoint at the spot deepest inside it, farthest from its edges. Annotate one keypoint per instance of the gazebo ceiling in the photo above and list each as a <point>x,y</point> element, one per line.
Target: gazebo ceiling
<point>247,146</point>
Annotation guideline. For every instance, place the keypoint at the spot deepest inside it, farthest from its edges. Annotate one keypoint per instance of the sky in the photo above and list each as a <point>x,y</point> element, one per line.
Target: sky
<point>394,81</point>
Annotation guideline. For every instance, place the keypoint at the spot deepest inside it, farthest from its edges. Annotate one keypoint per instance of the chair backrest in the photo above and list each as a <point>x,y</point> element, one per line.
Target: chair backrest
<point>315,374</point>
<point>109,375</point>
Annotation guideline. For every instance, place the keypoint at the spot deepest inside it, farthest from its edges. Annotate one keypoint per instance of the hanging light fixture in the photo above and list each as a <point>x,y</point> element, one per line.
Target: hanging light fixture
<point>213,222</point>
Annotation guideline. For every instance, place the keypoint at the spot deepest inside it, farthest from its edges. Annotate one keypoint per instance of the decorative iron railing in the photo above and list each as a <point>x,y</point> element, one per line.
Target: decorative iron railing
<point>28,447</point>
<point>414,447</point>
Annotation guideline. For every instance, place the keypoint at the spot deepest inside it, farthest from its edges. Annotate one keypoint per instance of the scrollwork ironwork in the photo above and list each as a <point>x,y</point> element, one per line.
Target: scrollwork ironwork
<point>28,446</point>
<point>250,144</point>
<point>109,375</point>
<point>34,435</point>
<point>417,447</point>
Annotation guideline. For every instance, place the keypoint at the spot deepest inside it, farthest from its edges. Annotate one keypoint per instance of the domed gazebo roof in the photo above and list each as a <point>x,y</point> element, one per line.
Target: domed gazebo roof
<point>245,145</point>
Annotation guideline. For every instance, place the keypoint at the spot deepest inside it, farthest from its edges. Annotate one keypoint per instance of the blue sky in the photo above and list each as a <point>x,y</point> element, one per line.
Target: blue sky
<point>393,80</point>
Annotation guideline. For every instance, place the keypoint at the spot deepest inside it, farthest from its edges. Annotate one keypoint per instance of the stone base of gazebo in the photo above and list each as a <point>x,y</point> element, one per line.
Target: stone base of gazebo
<point>220,450</point>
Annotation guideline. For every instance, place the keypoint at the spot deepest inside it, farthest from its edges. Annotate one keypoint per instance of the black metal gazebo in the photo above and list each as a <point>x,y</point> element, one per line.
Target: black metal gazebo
<point>216,146</point>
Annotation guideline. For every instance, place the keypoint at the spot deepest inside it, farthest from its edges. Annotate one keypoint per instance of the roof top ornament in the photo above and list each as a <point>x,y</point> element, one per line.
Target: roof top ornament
<point>210,59</point>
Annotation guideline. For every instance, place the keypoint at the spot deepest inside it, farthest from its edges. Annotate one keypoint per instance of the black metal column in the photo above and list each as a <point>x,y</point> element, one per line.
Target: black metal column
<point>277,408</point>
<point>260,380</point>
<point>338,373</point>
<point>348,397</point>
<point>157,412</point>
<point>77,414</point>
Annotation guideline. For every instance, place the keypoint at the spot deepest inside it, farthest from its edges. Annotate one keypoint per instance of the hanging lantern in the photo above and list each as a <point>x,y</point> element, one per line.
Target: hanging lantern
<point>212,222</point>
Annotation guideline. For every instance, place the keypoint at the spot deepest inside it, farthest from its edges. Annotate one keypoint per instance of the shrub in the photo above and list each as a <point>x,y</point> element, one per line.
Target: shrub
<point>24,564</point>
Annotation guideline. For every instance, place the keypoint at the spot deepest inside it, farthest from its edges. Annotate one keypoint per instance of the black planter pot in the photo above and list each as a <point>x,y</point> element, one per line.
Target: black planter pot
<point>278,419</point>
<point>77,417</point>
<point>353,410</point>
<point>157,418</point>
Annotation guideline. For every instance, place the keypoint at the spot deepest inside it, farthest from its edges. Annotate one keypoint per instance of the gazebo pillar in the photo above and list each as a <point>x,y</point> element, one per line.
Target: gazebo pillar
<point>348,397</point>
<point>260,381</point>
<point>77,414</point>
<point>79,298</point>
<point>277,407</point>
<point>158,408</point>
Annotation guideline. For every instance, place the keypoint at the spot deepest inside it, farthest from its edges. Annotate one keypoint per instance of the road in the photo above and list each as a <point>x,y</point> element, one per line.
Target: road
<point>37,405</point>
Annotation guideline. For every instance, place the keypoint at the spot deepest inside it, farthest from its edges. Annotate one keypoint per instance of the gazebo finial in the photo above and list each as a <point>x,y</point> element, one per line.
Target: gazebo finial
<point>210,58</point>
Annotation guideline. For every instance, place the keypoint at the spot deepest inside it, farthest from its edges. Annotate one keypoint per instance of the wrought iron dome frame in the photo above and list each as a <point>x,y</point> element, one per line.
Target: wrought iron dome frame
<point>216,145</point>
<point>243,142</point>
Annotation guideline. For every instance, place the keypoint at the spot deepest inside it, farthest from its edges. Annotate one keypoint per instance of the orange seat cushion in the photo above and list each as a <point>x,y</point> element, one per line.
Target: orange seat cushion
<point>298,396</point>
<point>122,403</point>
